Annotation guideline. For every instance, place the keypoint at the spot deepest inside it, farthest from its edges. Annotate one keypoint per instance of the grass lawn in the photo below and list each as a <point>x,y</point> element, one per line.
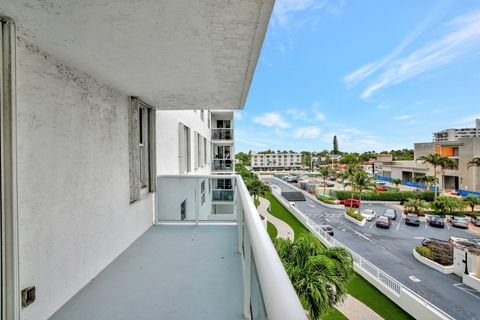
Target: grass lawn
<point>368,294</point>
<point>279,211</point>
<point>272,231</point>
<point>334,314</point>
<point>358,287</point>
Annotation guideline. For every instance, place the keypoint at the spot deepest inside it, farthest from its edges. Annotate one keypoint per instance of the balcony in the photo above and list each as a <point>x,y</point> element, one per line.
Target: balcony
<point>223,195</point>
<point>186,268</point>
<point>223,165</point>
<point>222,134</point>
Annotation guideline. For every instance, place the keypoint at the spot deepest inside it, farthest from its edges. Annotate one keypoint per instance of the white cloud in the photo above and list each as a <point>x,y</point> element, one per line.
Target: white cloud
<point>464,38</point>
<point>320,116</point>
<point>468,121</point>
<point>307,132</point>
<point>383,106</point>
<point>285,8</point>
<point>404,117</point>
<point>271,119</point>
<point>297,114</point>
<point>238,115</point>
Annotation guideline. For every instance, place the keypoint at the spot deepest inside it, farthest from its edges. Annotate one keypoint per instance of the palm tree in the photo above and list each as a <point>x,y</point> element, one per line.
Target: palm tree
<point>361,181</point>
<point>319,275</point>
<point>396,182</point>
<point>418,180</point>
<point>324,173</point>
<point>437,161</point>
<point>475,162</point>
<point>257,188</point>
<point>471,201</point>
<point>446,205</point>
<point>417,206</point>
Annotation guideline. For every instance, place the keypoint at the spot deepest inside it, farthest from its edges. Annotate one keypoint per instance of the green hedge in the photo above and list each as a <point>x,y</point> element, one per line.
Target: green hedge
<point>354,214</point>
<point>425,252</point>
<point>386,195</point>
<point>326,200</point>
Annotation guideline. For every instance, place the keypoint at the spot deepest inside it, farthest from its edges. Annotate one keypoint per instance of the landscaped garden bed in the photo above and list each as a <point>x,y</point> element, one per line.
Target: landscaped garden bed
<point>386,195</point>
<point>352,215</point>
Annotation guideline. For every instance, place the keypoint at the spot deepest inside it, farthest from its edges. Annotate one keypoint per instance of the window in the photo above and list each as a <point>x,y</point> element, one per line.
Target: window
<point>209,119</point>
<point>184,148</point>
<point>204,151</point>
<point>142,149</point>
<point>196,150</point>
<point>202,115</point>
<point>202,192</point>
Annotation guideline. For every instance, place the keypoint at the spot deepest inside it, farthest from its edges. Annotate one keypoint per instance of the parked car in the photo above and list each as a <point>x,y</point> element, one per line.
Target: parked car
<point>412,220</point>
<point>327,228</point>
<point>350,203</point>
<point>436,221</point>
<point>381,189</point>
<point>390,213</point>
<point>383,222</point>
<point>369,214</point>
<point>460,222</point>
<point>476,221</point>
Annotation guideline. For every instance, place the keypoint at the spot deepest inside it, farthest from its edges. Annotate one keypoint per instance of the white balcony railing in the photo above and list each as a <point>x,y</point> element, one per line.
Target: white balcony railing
<point>222,165</point>
<point>222,134</point>
<point>268,292</point>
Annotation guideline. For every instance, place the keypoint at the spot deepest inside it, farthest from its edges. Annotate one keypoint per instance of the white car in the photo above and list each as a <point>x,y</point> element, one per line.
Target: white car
<point>369,214</point>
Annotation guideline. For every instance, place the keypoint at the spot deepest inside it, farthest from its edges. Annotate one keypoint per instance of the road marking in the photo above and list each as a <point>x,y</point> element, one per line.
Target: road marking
<point>426,224</point>
<point>474,293</point>
<point>327,219</point>
<point>448,226</point>
<point>400,222</point>
<point>371,225</point>
<point>311,205</point>
<point>419,238</point>
<point>414,279</point>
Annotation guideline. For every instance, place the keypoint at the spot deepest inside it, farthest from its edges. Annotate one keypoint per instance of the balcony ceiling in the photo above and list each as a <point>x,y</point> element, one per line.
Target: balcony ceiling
<point>174,54</point>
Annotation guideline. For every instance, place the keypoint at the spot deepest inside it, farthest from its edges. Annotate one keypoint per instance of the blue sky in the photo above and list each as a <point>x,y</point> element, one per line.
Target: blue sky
<point>380,75</point>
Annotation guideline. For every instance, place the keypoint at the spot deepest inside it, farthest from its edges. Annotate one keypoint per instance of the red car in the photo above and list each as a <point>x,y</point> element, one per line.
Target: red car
<point>350,203</point>
<point>381,189</point>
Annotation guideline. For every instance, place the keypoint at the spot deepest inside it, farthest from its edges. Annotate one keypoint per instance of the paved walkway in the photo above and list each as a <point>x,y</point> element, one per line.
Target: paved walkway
<point>284,230</point>
<point>354,309</point>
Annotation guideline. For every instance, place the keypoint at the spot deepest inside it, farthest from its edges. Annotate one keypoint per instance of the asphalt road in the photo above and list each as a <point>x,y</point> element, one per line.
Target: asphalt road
<point>391,250</point>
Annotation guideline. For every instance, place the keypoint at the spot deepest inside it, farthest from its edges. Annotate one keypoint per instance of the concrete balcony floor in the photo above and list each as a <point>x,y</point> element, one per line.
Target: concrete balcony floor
<point>170,272</point>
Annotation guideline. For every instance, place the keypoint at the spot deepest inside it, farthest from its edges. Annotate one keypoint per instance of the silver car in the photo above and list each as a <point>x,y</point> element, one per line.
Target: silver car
<point>460,222</point>
<point>390,213</point>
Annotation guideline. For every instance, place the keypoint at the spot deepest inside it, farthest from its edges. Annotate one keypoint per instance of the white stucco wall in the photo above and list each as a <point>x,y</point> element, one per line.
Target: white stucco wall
<point>167,140</point>
<point>73,179</point>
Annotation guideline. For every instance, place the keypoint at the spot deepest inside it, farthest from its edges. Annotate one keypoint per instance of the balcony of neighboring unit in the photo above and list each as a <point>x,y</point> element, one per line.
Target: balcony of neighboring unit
<point>223,165</point>
<point>223,135</point>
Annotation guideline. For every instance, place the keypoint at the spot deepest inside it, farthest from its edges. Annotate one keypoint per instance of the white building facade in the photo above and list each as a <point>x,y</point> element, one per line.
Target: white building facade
<point>276,161</point>
<point>457,133</point>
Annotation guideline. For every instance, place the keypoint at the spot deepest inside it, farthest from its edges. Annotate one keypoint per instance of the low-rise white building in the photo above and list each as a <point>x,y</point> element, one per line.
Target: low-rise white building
<point>276,161</point>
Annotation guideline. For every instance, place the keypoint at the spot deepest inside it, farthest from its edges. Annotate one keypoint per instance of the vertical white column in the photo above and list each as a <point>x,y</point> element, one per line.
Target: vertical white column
<point>247,278</point>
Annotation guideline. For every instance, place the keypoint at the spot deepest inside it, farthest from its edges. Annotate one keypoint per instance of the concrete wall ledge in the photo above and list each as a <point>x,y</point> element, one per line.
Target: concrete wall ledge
<point>351,219</point>
<point>433,264</point>
<point>471,281</point>
<point>380,202</point>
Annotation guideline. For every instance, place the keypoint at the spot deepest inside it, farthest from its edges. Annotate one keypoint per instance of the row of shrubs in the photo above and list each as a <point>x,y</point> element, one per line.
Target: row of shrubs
<point>327,200</point>
<point>354,214</point>
<point>386,195</point>
<point>440,254</point>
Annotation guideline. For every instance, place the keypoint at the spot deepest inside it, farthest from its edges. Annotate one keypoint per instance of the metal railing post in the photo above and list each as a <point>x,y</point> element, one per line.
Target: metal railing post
<point>247,278</point>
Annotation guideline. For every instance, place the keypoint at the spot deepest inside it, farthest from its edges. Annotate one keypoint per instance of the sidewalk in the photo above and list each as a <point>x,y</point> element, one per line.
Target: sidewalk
<point>354,309</point>
<point>283,229</point>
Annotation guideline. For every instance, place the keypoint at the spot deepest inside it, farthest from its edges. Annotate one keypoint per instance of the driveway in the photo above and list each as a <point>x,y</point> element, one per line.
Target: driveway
<point>391,250</point>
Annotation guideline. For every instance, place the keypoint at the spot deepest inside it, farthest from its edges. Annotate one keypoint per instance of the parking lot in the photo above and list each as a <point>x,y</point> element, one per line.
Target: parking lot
<point>391,250</point>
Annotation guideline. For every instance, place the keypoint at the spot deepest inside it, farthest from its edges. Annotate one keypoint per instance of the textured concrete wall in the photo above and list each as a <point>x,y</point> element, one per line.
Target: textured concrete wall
<point>167,140</point>
<point>73,179</point>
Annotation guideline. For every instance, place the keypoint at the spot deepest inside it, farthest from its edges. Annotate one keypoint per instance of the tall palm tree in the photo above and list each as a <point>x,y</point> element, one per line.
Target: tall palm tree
<point>361,181</point>
<point>475,162</point>
<point>324,173</point>
<point>319,275</point>
<point>416,206</point>
<point>438,161</point>
<point>348,173</point>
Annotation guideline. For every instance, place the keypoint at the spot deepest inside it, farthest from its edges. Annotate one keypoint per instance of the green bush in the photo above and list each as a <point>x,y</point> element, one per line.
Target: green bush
<point>326,199</point>
<point>354,214</point>
<point>425,252</point>
<point>386,195</point>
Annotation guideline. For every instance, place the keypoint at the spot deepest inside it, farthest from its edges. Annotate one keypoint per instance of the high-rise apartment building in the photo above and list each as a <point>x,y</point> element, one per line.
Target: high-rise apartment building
<point>456,133</point>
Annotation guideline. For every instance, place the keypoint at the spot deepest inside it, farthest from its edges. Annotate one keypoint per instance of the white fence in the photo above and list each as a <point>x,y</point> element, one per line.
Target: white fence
<point>405,298</point>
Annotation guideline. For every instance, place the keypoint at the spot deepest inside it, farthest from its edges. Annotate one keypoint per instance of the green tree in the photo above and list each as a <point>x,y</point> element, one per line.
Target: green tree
<point>471,201</point>
<point>475,162</point>
<point>319,275</point>
<point>446,205</point>
<point>243,158</point>
<point>416,206</point>
<point>257,188</point>
<point>324,173</point>
<point>348,174</point>
<point>335,145</point>
<point>397,182</point>
<point>438,162</point>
